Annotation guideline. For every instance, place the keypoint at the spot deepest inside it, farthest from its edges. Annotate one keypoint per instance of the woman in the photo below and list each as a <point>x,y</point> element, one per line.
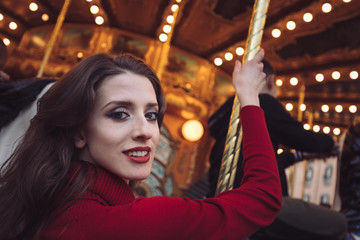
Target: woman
<point>95,131</point>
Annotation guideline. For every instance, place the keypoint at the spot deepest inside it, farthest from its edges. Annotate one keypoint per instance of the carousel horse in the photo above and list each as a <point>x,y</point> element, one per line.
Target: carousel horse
<point>18,105</point>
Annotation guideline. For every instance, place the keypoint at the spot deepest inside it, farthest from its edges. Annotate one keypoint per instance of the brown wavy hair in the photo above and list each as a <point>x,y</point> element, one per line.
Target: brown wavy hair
<point>33,177</point>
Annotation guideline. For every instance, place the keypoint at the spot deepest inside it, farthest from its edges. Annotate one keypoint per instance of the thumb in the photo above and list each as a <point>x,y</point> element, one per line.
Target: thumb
<point>259,55</point>
<point>237,67</point>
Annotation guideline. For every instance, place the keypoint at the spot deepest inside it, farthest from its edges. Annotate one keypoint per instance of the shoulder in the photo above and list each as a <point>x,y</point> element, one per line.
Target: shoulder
<point>271,105</point>
<point>268,99</point>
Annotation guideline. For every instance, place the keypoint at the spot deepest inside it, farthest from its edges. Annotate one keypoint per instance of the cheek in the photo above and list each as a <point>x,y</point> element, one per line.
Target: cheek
<point>106,135</point>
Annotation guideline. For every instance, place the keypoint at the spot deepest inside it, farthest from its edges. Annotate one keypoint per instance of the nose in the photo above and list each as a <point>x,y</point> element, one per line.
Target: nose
<point>142,129</point>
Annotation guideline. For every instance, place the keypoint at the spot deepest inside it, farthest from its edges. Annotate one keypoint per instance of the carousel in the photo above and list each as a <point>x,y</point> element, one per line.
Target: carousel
<point>314,47</point>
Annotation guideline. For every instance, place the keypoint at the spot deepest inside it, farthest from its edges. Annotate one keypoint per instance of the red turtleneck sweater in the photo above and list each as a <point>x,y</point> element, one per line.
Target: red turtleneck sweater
<point>110,211</point>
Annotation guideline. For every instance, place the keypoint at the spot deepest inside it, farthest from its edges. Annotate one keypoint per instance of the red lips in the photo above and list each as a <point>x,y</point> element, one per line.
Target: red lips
<point>138,154</point>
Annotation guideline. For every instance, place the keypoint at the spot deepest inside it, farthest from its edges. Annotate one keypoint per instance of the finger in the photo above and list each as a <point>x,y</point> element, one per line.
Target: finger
<point>237,66</point>
<point>259,55</point>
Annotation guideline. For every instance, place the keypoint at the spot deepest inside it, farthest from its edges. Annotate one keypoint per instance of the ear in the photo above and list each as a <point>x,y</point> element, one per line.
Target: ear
<point>80,139</point>
<point>270,81</point>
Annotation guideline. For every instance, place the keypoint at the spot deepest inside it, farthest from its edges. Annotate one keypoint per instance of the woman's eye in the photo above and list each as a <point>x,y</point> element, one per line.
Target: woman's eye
<point>151,116</point>
<point>120,115</point>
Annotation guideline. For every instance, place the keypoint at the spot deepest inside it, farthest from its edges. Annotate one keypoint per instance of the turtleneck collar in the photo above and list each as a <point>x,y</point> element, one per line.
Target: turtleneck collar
<point>111,188</point>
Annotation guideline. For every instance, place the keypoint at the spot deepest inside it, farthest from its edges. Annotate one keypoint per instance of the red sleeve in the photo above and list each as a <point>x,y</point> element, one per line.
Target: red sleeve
<point>233,214</point>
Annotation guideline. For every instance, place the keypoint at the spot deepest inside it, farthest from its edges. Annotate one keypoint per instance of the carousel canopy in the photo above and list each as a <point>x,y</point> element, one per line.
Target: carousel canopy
<point>311,43</point>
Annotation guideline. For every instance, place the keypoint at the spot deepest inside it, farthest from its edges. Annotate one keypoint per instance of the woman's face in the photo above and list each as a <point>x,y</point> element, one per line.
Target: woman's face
<point>122,133</point>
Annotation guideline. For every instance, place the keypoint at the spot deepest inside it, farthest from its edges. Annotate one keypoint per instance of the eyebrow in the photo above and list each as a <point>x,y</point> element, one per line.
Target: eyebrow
<point>128,103</point>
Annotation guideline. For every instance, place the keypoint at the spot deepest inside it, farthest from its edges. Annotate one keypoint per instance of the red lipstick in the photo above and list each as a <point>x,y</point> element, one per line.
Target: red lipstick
<point>138,154</point>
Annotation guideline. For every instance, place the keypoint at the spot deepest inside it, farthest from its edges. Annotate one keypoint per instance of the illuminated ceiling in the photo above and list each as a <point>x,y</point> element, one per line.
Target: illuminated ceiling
<point>210,28</point>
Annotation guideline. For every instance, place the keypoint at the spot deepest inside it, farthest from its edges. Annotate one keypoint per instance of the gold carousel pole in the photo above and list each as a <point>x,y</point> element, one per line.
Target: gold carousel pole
<point>163,55</point>
<point>53,36</point>
<point>310,122</point>
<point>301,101</point>
<point>166,47</point>
<point>293,170</point>
<point>234,135</point>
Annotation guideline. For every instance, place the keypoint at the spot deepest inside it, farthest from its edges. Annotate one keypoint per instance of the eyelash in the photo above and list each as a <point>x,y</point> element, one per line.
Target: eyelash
<point>155,116</point>
<point>119,115</point>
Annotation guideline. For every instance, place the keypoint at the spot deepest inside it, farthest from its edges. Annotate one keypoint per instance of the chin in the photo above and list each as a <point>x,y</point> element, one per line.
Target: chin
<point>138,177</point>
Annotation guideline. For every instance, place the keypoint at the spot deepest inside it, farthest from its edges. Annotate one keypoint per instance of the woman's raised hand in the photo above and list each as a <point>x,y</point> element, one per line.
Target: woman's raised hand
<point>249,79</point>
